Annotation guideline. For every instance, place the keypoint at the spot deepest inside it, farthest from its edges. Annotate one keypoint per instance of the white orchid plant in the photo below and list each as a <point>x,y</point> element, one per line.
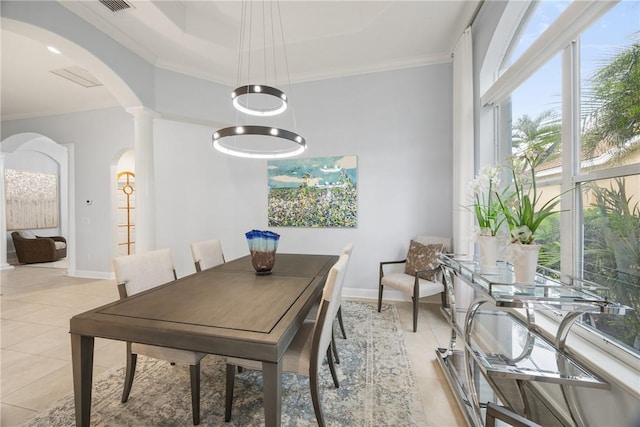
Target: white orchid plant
<point>486,204</point>
<point>520,205</point>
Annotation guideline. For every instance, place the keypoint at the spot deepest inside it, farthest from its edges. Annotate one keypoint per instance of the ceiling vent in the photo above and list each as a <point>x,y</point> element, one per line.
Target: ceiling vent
<point>116,5</point>
<point>78,75</point>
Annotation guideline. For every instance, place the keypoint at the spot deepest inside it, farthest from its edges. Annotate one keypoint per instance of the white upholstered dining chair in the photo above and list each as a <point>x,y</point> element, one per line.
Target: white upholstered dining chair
<point>138,273</point>
<point>346,250</point>
<point>308,348</point>
<point>207,254</point>
<point>421,276</point>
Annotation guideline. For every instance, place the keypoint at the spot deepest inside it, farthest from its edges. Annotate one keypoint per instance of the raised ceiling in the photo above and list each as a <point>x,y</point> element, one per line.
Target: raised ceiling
<point>324,39</point>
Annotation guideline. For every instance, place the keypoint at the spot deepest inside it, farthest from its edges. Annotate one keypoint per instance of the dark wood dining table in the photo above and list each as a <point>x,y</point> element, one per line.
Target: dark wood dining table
<point>228,310</point>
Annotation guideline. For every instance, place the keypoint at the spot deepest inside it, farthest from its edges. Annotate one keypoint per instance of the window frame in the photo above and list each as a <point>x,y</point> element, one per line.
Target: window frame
<point>562,36</point>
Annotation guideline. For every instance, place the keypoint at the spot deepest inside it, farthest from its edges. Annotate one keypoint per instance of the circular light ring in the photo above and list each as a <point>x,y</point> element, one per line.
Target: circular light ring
<point>298,147</point>
<point>259,90</point>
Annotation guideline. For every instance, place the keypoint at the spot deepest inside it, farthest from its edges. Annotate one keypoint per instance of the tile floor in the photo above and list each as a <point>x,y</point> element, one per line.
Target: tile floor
<point>35,307</point>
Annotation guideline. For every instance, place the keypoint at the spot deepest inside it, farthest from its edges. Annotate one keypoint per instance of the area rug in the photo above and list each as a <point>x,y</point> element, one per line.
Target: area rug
<point>377,386</point>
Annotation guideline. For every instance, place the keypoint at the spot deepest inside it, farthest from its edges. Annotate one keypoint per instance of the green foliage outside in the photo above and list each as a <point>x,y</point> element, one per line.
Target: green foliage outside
<point>611,227</point>
<point>612,255</point>
<point>612,104</point>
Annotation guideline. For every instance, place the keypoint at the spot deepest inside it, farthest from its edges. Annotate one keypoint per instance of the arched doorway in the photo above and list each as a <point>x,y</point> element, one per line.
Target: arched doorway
<point>21,151</point>
<point>116,84</point>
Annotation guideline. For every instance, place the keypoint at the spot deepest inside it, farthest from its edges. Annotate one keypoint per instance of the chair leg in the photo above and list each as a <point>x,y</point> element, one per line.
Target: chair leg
<point>332,368</point>
<point>335,349</point>
<point>228,399</point>
<point>344,334</point>
<point>315,391</point>
<point>415,313</point>
<point>380,287</point>
<point>132,358</point>
<point>195,392</point>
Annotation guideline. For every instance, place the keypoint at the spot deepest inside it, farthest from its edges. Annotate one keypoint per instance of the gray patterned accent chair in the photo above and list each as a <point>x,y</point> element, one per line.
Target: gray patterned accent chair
<point>421,276</point>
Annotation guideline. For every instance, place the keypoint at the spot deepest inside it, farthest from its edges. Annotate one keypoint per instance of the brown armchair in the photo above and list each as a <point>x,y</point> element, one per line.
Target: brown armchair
<point>38,249</point>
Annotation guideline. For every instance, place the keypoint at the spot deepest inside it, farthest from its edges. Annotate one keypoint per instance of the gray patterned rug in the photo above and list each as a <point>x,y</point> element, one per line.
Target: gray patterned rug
<point>377,386</point>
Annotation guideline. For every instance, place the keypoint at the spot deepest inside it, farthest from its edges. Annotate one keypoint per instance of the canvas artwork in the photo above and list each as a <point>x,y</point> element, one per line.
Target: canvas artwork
<point>314,192</point>
<point>31,199</point>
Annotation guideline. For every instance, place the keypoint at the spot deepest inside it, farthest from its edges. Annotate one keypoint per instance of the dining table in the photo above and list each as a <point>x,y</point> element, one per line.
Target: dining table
<point>228,310</point>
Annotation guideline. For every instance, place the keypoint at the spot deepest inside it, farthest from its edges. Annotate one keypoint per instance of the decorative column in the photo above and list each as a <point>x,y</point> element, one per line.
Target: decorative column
<point>4,265</point>
<point>145,219</point>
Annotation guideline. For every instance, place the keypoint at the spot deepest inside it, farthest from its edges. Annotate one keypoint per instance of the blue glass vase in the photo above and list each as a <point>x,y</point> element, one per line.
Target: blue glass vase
<point>262,246</point>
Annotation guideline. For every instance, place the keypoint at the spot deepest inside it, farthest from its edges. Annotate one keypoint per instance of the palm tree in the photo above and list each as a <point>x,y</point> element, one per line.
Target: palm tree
<point>540,134</point>
<point>611,105</point>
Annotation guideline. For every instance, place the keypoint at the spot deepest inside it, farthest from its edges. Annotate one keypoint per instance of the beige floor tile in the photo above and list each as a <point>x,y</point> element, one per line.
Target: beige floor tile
<point>439,404</point>
<point>14,332</point>
<point>13,415</point>
<point>39,394</point>
<point>52,315</point>
<point>42,343</point>
<point>21,369</point>
<point>10,308</point>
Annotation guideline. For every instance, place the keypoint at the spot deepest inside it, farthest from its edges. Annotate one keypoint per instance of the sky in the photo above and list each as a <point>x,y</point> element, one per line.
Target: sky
<point>618,28</point>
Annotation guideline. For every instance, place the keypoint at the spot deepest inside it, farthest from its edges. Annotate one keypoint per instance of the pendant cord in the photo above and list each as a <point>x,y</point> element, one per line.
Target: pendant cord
<point>273,45</point>
<point>249,46</point>
<point>286,65</point>
<point>264,41</point>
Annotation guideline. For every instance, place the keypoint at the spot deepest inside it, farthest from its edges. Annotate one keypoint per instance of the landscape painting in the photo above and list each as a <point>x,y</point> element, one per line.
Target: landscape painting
<point>315,192</point>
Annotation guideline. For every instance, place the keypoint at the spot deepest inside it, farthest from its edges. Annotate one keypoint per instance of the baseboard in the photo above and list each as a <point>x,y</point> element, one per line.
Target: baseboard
<point>100,275</point>
<point>389,295</point>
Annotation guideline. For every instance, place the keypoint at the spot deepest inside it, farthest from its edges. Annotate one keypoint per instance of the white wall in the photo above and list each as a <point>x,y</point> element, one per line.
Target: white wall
<point>397,123</point>
<point>98,137</point>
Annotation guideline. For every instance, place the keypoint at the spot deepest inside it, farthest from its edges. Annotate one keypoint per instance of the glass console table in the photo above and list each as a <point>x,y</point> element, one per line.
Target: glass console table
<point>503,351</point>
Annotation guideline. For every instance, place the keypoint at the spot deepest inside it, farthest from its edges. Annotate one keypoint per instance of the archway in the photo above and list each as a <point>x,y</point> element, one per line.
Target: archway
<point>61,155</point>
<point>116,84</point>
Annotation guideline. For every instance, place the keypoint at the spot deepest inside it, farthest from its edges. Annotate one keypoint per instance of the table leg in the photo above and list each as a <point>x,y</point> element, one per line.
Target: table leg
<point>272,390</point>
<point>82,361</point>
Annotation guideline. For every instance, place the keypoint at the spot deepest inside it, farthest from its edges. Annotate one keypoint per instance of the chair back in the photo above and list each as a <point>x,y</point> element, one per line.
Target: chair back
<point>207,254</point>
<point>447,245</point>
<point>347,249</point>
<point>329,305</point>
<point>139,272</point>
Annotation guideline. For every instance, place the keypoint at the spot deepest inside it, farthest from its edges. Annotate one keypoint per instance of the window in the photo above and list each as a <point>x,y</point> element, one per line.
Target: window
<point>609,145</point>
<point>536,108</point>
<point>536,21</point>
<point>572,88</point>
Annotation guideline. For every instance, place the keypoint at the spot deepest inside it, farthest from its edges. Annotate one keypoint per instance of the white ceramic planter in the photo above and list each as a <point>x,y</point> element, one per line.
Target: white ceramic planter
<point>525,261</point>
<point>488,252</point>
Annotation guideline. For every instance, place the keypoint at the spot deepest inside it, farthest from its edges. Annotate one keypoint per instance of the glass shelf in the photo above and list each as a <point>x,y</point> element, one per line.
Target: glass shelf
<point>547,290</point>
<point>505,347</point>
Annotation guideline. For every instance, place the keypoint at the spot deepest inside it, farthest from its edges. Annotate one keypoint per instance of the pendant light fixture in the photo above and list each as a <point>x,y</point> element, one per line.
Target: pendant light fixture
<point>260,99</point>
